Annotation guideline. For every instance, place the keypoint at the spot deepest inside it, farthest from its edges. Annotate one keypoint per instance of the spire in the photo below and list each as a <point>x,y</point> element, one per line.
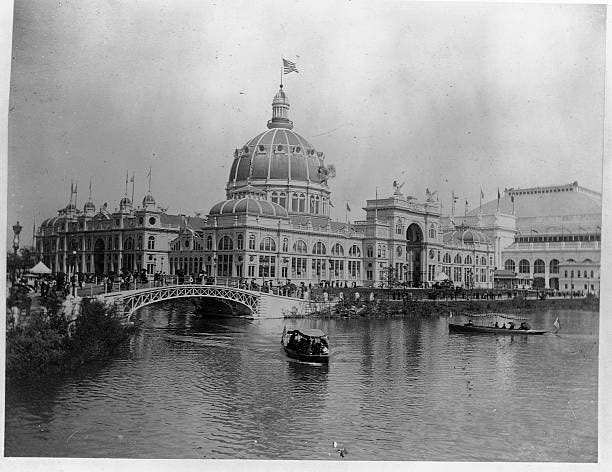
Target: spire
<point>148,202</point>
<point>89,207</point>
<point>280,109</point>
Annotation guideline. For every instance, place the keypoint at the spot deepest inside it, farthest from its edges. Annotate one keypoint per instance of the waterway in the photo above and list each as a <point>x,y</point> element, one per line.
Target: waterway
<point>397,389</point>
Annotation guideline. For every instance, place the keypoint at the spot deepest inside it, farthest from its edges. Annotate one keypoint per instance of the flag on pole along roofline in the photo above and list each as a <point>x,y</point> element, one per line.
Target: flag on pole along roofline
<point>348,208</point>
<point>481,194</point>
<point>289,67</point>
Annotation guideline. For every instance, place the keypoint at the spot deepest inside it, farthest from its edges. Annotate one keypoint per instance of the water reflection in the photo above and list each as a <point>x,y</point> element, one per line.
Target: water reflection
<point>405,389</point>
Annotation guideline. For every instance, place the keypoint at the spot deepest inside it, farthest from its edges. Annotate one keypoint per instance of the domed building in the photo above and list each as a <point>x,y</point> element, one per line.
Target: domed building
<point>546,237</point>
<point>274,225</point>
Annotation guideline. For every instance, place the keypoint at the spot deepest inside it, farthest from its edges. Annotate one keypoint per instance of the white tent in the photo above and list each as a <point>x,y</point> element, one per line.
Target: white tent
<point>40,268</point>
<point>440,276</point>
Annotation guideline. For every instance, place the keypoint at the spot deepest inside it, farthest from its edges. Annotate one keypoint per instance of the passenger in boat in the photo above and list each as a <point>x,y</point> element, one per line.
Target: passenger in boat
<point>504,326</point>
<point>511,325</point>
<point>525,326</point>
<point>496,324</point>
<point>470,323</point>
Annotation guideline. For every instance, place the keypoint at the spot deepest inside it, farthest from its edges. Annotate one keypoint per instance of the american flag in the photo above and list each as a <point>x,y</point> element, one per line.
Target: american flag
<point>289,67</point>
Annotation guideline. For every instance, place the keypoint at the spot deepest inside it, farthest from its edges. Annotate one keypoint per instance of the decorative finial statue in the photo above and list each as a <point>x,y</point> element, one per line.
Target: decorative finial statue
<point>326,173</point>
<point>430,196</point>
<point>397,188</point>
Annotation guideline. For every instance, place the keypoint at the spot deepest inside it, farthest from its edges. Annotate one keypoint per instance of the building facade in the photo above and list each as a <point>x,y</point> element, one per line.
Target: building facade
<point>274,226</point>
<point>103,242</point>
<point>548,233</point>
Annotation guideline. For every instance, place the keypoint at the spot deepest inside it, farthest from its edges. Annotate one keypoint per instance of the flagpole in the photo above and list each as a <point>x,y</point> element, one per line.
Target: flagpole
<point>133,175</point>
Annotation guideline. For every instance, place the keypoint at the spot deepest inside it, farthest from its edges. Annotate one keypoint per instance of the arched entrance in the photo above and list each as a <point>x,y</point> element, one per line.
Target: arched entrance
<point>414,249</point>
<point>99,256</point>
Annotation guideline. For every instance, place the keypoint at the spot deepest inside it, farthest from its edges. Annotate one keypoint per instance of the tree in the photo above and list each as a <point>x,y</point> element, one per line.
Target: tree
<point>25,259</point>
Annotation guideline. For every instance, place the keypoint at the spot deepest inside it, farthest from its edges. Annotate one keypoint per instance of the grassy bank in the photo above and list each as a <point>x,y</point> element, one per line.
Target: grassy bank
<point>47,343</point>
<point>398,308</point>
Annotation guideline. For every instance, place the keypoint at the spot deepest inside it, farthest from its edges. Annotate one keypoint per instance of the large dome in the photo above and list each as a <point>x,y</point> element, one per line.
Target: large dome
<point>249,206</point>
<point>277,154</point>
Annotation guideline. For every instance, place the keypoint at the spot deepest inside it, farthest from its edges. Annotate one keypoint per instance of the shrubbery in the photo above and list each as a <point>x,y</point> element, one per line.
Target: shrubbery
<point>48,343</point>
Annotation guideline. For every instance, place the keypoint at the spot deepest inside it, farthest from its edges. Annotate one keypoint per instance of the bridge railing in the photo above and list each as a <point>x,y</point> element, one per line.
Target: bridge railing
<point>230,282</point>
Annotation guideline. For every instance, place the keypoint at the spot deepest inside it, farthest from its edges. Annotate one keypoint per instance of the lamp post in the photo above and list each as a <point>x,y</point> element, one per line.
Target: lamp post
<point>72,278</point>
<point>16,231</point>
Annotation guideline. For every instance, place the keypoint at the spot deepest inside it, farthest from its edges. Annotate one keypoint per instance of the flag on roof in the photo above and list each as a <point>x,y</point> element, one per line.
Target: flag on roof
<point>348,208</point>
<point>289,67</point>
<point>481,194</point>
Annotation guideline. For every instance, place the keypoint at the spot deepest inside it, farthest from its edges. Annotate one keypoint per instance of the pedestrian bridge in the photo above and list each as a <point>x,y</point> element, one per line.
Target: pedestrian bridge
<point>258,304</point>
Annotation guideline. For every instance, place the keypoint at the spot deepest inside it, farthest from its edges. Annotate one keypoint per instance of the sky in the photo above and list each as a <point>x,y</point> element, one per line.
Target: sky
<point>451,97</point>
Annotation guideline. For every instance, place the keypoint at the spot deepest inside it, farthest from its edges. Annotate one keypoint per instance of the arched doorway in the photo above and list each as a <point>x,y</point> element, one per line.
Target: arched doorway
<point>414,249</point>
<point>99,256</point>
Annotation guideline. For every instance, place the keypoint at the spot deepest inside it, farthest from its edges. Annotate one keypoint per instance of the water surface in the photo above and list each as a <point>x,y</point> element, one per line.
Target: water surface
<point>400,389</point>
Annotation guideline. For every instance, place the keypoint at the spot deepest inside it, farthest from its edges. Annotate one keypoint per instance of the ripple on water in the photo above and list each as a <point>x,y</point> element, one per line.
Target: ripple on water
<point>394,390</point>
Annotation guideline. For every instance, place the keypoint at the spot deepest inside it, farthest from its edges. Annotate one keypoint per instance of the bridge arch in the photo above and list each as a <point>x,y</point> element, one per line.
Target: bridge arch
<point>132,301</point>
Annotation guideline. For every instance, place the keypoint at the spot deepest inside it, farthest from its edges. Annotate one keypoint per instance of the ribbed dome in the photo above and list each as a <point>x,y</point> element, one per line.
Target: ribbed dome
<point>466,236</point>
<point>89,207</point>
<point>277,154</point>
<point>125,201</point>
<point>248,206</point>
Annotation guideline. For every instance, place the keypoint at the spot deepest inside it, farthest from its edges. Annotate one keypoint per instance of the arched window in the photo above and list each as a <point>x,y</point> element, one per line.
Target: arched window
<point>282,199</point>
<point>274,197</point>
<point>370,251</point>
<point>337,250</point>
<point>524,266</point>
<point>209,243</point>
<point>319,248</point>
<point>354,251</point>
<point>483,261</point>
<point>240,241</point>
<point>539,267</point>
<point>129,244</point>
<point>151,242</point>
<point>592,274</point>
<point>300,247</point>
<point>267,244</point>
<point>468,259</point>
<point>458,259</point>
<point>302,203</point>
<point>587,261</point>
<point>510,265</point>
<point>585,274</point>
<point>446,258</point>
<point>285,244</point>
<point>317,204</point>
<point>432,231</point>
<point>226,244</point>
<point>252,241</point>
<point>312,204</point>
<point>295,206</point>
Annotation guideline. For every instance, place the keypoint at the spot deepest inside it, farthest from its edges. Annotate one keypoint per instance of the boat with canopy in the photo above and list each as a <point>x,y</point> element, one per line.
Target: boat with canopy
<point>495,323</point>
<point>306,344</point>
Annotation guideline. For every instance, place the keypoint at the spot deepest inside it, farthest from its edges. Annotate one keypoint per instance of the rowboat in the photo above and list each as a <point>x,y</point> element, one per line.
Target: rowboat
<point>465,328</point>
<point>306,345</point>
<point>490,323</point>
